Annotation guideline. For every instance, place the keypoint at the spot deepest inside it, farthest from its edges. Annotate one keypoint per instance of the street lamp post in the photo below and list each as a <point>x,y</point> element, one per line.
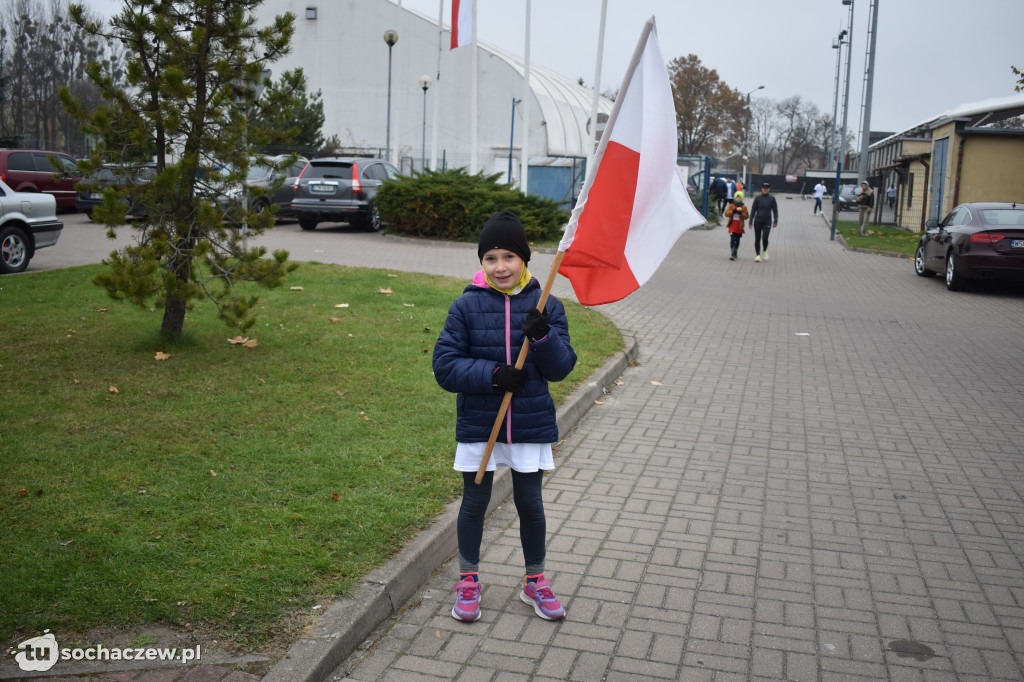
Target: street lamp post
<point>425,83</point>
<point>842,139</point>
<point>390,37</point>
<point>759,87</point>
<point>837,45</point>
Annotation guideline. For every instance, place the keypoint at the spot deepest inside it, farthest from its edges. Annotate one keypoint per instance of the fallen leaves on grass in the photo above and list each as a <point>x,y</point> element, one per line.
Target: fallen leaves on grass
<point>297,289</point>
<point>160,355</point>
<point>113,389</point>
<point>386,290</point>
<point>243,341</point>
<point>334,319</point>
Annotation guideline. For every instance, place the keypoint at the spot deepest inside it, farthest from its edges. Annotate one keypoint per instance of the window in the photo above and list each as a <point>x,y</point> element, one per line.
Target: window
<point>21,161</point>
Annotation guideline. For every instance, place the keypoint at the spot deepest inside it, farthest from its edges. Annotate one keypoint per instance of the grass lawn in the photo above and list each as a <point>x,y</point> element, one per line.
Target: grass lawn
<point>225,488</point>
<point>879,237</point>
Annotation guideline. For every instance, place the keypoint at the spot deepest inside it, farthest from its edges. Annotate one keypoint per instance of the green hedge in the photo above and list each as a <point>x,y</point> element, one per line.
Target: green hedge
<point>454,205</point>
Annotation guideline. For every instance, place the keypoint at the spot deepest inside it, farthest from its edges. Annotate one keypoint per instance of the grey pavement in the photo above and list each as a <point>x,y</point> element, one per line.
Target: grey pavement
<point>813,471</point>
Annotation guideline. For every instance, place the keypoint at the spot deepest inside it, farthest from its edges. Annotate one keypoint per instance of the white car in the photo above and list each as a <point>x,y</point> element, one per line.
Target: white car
<point>28,221</point>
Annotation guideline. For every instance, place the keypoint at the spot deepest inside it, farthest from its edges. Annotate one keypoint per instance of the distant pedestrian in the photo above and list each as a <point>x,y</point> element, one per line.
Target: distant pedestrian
<point>730,189</point>
<point>865,202</point>
<point>764,215</point>
<point>736,217</point>
<point>718,191</point>
<point>891,195</point>
<point>473,357</point>
<point>819,191</point>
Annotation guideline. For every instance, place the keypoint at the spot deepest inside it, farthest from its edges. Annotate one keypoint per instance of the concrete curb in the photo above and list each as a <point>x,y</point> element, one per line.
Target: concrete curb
<point>346,623</point>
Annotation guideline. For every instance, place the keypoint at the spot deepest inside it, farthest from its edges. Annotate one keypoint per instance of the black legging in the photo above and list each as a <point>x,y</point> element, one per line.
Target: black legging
<point>526,491</point>
<point>761,232</point>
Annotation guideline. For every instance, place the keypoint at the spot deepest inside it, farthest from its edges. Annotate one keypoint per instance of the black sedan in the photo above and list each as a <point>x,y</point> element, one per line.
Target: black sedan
<point>975,241</point>
<point>847,199</point>
<point>339,189</point>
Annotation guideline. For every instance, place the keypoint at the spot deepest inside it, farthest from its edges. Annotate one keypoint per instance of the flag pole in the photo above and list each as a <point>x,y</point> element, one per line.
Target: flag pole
<point>520,361</point>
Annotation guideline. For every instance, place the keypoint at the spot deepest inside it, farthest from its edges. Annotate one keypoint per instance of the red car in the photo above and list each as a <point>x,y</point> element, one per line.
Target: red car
<point>974,242</point>
<point>35,170</point>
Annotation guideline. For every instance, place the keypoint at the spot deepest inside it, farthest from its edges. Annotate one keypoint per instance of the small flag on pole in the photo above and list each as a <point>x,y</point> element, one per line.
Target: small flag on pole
<point>462,23</point>
<point>633,206</point>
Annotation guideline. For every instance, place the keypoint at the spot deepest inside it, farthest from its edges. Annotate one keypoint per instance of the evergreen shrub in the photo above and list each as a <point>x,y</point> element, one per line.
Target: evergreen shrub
<point>453,205</point>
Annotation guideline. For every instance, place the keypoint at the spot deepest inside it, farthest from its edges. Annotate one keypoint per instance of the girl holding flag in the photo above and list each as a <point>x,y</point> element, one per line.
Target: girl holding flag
<point>473,358</point>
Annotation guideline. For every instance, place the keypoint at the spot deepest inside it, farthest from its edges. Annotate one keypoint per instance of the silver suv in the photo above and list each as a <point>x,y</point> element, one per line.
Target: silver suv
<point>28,221</point>
<point>338,189</point>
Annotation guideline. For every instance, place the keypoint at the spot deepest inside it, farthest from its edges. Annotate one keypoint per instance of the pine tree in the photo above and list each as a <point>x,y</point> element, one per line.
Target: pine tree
<point>194,70</point>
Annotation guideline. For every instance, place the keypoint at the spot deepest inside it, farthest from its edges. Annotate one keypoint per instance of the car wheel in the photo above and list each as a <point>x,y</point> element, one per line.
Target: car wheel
<point>373,222</point>
<point>954,280</point>
<point>919,267</point>
<point>14,250</point>
<point>307,223</point>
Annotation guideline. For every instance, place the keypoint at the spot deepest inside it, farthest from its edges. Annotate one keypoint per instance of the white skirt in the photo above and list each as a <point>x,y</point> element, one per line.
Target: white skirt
<point>523,457</point>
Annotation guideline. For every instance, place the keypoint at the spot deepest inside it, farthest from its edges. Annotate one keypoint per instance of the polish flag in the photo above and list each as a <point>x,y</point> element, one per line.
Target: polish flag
<point>462,23</point>
<point>633,206</point>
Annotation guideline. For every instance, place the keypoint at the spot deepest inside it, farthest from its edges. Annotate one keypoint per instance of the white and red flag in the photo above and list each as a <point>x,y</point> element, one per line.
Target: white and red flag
<point>462,23</point>
<point>633,206</point>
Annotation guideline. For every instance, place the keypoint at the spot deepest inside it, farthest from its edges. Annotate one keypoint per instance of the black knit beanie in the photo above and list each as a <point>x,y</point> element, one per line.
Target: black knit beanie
<point>504,231</point>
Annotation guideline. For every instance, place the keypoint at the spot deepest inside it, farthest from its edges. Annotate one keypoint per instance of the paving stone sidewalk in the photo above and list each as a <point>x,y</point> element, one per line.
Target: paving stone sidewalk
<point>814,473</point>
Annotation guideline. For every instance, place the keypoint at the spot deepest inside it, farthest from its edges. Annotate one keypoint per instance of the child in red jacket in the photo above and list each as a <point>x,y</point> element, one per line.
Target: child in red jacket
<point>735,216</point>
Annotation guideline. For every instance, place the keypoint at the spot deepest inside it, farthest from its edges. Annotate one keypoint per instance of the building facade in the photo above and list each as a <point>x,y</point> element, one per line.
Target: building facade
<point>340,45</point>
<point>959,156</point>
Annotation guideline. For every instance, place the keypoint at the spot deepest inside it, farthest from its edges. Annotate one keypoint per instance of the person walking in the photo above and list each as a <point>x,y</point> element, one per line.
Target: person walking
<point>764,215</point>
<point>473,357</point>
<point>819,191</point>
<point>891,195</point>
<point>735,217</point>
<point>718,191</point>
<point>865,202</point>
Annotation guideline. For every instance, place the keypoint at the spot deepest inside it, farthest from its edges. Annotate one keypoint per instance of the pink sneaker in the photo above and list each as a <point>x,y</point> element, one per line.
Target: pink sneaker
<point>543,600</point>
<point>467,601</point>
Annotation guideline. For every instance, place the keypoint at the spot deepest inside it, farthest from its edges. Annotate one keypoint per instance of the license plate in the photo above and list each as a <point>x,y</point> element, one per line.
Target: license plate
<point>1017,243</point>
<point>321,189</point>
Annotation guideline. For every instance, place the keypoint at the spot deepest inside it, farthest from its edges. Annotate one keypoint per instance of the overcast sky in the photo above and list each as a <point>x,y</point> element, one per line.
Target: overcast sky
<point>930,56</point>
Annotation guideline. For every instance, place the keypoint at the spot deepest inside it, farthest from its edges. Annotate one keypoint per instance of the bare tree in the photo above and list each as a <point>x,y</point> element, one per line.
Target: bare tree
<point>797,122</point>
<point>40,51</point>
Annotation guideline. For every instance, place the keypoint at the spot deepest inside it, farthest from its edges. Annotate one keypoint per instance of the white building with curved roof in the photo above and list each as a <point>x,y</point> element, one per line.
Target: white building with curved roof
<point>340,46</point>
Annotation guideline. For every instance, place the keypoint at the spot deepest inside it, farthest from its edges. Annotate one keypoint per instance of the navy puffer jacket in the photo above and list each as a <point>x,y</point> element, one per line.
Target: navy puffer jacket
<point>484,330</point>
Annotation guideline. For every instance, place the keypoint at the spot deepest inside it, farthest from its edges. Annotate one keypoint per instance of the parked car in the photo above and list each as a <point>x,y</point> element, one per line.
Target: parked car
<point>339,189</point>
<point>31,170</point>
<point>847,198</point>
<point>28,221</point>
<point>279,184</point>
<point>90,190</point>
<point>975,241</point>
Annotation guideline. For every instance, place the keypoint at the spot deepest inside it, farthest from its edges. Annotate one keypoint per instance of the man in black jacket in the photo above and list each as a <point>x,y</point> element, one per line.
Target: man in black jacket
<point>764,215</point>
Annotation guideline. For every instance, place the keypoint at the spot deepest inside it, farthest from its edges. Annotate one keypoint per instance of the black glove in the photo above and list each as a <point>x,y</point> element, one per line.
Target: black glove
<point>508,379</point>
<point>536,326</point>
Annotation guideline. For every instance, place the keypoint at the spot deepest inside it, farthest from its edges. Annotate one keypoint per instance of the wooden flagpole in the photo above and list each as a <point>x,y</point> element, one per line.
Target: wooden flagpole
<point>520,361</point>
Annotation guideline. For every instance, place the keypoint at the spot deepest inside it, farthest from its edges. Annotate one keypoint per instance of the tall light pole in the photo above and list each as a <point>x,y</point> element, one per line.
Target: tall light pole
<point>759,87</point>
<point>837,45</point>
<point>842,139</point>
<point>425,83</point>
<point>512,137</point>
<point>390,37</point>
<point>869,75</point>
